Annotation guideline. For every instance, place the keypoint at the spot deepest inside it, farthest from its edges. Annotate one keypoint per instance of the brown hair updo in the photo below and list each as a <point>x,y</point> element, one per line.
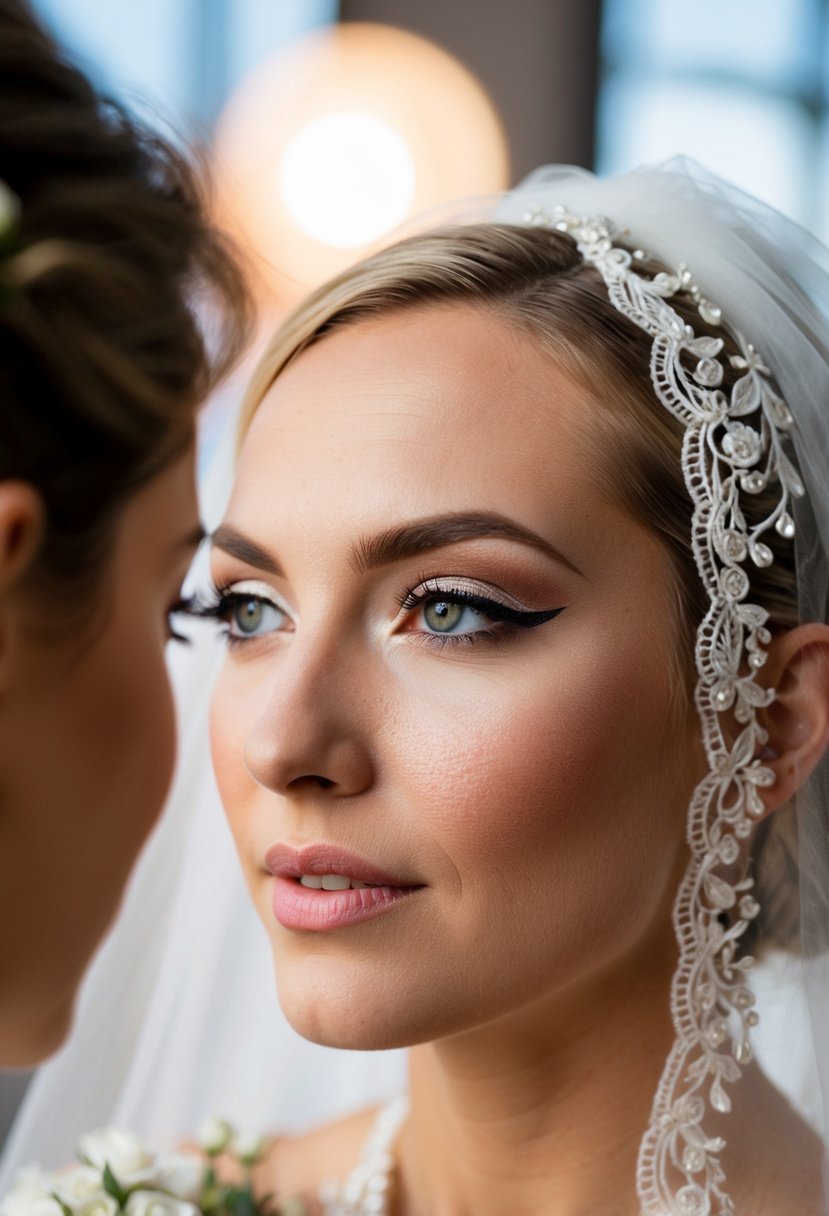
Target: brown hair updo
<point>102,356</point>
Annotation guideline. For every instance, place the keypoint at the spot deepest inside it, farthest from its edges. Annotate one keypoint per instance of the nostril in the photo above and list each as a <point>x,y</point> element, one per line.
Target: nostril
<point>324,783</point>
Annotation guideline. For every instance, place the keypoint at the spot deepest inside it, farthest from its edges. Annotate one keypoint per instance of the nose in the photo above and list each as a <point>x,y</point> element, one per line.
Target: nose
<point>313,735</point>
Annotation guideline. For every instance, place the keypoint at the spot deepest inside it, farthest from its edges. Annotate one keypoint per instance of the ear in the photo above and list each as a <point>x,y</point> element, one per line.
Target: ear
<point>797,720</point>
<point>22,525</point>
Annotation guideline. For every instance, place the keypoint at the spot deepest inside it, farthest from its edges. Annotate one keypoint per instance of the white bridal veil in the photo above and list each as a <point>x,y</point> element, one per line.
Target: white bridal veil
<point>178,1017</point>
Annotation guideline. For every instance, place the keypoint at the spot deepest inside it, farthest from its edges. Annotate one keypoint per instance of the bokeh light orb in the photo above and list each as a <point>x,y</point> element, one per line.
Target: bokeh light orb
<point>372,166</point>
<point>329,146</point>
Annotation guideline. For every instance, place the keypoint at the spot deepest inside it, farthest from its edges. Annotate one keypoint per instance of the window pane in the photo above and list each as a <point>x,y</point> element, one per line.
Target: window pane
<point>777,41</point>
<point>759,141</point>
<point>135,52</point>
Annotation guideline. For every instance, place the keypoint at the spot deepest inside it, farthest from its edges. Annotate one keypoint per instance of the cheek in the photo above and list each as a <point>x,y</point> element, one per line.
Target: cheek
<point>562,779</point>
<point>237,702</point>
<point>105,744</point>
<point>134,725</point>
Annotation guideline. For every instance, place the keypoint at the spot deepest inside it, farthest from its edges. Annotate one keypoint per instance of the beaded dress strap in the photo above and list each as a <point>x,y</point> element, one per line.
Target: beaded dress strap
<point>365,1191</point>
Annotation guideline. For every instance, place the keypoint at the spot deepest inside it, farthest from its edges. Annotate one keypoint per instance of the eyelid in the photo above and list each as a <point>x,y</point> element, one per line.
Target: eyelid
<point>258,590</point>
<point>446,584</point>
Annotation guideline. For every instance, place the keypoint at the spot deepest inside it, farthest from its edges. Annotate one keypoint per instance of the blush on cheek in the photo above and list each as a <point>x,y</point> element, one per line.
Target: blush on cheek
<point>229,730</point>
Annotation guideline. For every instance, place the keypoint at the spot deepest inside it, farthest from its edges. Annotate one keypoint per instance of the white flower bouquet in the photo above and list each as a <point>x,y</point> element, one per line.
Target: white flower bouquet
<point>117,1174</point>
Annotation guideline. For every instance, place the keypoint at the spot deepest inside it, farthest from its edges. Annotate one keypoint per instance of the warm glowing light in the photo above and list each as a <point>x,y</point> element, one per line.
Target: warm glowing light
<point>347,178</point>
<point>330,145</point>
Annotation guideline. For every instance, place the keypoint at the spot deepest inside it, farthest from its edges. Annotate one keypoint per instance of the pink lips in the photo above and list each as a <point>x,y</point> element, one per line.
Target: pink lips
<point>299,907</point>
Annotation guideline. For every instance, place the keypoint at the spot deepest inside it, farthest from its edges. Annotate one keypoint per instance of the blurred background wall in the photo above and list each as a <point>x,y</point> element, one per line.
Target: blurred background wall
<point>739,84</point>
<point>607,84</point>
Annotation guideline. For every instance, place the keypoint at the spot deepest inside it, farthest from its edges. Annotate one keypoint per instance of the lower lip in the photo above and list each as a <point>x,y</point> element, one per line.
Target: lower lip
<point>298,907</point>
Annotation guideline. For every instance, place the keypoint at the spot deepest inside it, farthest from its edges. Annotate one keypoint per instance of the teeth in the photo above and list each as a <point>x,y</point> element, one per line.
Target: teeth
<point>335,882</point>
<point>332,882</point>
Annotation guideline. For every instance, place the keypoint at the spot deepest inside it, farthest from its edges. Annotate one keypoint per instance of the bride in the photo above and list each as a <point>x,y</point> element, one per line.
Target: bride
<point>508,582</point>
<point>521,729</point>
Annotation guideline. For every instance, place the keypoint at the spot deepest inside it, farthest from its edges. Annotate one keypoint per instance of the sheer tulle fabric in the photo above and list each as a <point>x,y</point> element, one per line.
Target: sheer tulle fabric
<point>771,280</point>
<point>179,1017</point>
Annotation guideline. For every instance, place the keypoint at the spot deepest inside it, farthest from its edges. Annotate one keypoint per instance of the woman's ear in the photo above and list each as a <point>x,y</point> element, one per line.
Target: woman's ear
<point>22,525</point>
<point>797,720</point>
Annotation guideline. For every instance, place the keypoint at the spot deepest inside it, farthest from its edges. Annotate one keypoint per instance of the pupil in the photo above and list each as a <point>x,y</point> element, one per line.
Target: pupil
<point>250,616</point>
<point>442,616</point>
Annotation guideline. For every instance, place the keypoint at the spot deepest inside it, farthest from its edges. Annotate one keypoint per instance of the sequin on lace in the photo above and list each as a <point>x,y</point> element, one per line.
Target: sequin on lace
<point>733,445</point>
<point>723,457</point>
<point>367,1189</point>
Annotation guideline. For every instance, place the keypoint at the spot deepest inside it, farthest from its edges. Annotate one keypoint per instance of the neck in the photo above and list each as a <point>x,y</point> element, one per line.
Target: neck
<point>542,1111</point>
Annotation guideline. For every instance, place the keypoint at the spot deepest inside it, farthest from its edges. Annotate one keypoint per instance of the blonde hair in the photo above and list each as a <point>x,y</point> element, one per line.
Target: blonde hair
<point>534,279</point>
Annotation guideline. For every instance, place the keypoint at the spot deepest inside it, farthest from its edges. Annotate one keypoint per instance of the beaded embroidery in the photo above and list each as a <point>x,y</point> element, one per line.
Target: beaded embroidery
<point>679,1172</point>
<point>366,1190</point>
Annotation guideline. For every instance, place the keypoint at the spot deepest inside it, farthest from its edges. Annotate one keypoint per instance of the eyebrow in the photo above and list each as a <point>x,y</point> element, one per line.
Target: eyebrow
<point>407,540</point>
<point>423,535</point>
<point>193,538</point>
<point>236,544</point>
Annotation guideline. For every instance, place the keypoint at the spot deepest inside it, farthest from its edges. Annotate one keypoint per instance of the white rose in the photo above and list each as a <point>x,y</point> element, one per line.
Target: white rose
<point>77,1184</point>
<point>82,1189</point>
<point>31,1195</point>
<point>17,1206</point>
<point>122,1152</point>
<point>153,1203</point>
<point>248,1147</point>
<point>214,1135</point>
<point>181,1174</point>
<point>97,1205</point>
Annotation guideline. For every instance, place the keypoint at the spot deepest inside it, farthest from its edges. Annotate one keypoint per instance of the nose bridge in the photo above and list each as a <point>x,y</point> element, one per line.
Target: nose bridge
<point>313,727</point>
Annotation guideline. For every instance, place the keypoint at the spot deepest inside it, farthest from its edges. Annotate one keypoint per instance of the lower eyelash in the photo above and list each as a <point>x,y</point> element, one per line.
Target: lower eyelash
<point>438,640</point>
<point>213,604</point>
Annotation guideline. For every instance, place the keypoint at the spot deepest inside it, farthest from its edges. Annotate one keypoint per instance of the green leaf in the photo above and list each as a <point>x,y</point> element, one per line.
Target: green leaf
<point>243,1203</point>
<point>113,1187</point>
<point>67,1211</point>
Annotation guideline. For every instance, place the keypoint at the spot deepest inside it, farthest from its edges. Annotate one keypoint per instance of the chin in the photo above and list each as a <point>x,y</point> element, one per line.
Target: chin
<point>25,1043</point>
<point>334,1009</point>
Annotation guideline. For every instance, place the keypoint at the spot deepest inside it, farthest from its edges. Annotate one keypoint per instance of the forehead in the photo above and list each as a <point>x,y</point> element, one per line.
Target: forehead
<point>389,411</point>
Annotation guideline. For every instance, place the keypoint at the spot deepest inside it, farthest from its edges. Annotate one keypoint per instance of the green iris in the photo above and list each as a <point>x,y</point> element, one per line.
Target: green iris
<point>248,615</point>
<point>442,616</point>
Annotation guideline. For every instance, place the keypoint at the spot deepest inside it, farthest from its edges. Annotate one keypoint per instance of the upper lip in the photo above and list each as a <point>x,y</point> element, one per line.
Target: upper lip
<point>285,861</point>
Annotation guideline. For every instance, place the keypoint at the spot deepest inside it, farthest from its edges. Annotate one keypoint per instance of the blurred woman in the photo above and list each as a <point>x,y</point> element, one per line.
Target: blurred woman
<point>108,267</point>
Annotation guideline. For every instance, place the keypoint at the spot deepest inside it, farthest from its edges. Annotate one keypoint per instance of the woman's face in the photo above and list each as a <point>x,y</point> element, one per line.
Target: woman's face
<point>449,678</point>
<point>87,743</point>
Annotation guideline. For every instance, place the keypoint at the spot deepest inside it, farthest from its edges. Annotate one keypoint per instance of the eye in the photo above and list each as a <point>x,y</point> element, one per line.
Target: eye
<point>463,613</point>
<point>448,616</point>
<point>248,616</point>
<point>248,610</point>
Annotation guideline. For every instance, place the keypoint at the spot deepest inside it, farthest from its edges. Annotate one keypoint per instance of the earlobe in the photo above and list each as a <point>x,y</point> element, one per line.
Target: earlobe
<point>22,525</point>
<point>797,720</point>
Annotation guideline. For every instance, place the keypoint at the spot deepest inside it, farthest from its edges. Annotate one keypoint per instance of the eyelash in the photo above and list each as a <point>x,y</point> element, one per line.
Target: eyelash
<point>219,602</point>
<point>494,610</point>
<point>216,604</point>
<point>182,607</point>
